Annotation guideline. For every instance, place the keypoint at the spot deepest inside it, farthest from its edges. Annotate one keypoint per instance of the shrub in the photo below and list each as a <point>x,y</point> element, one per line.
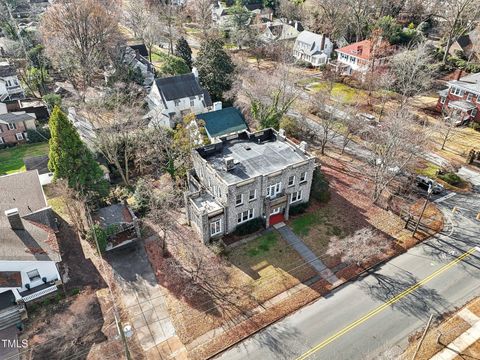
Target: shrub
<point>451,178</point>
<point>38,135</point>
<point>291,126</point>
<point>249,227</point>
<point>320,187</point>
<point>100,234</point>
<point>52,100</point>
<point>74,292</point>
<point>475,125</point>
<point>298,209</point>
<point>141,197</point>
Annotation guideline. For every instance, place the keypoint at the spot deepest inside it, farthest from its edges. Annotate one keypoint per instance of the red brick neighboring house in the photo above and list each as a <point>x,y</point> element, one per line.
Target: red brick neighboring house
<point>14,126</point>
<point>463,96</point>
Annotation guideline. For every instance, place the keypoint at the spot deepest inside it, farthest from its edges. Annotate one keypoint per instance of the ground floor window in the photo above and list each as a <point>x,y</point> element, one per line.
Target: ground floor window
<point>296,196</point>
<point>19,136</point>
<point>245,216</point>
<point>216,227</point>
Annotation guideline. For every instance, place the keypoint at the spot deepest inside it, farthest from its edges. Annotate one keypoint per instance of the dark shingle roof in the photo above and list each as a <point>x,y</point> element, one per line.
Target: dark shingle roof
<point>11,118</point>
<point>225,121</point>
<point>39,163</point>
<point>113,214</point>
<point>141,48</point>
<point>38,241</point>
<point>178,87</point>
<point>7,70</point>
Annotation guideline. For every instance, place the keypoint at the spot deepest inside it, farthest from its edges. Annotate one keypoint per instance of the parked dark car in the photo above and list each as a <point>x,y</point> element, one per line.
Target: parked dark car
<point>425,182</point>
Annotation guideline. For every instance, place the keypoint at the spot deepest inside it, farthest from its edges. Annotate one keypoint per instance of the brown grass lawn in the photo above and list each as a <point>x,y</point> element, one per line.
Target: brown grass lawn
<point>450,330</point>
<point>271,265</point>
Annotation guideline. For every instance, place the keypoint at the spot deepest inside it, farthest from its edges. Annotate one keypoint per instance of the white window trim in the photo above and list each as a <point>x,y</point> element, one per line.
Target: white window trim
<point>254,195</point>
<point>303,177</point>
<point>241,200</point>
<point>442,99</point>
<point>216,224</point>
<point>298,196</point>
<point>1,140</point>
<point>469,97</point>
<point>277,189</point>
<point>19,136</point>
<point>250,216</point>
<point>293,183</point>
<point>275,211</point>
<point>11,126</point>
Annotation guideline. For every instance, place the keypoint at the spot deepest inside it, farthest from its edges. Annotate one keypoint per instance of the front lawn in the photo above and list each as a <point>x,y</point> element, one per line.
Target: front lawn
<point>271,264</point>
<point>11,159</point>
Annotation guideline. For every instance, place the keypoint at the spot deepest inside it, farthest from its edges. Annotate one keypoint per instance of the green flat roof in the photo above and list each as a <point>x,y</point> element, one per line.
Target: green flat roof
<point>222,122</point>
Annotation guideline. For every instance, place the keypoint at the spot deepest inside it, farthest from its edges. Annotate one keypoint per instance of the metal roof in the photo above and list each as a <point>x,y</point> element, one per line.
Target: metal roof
<point>224,121</point>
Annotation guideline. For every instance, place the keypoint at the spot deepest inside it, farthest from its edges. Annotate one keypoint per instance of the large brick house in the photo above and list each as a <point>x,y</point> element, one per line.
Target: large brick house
<point>14,126</point>
<point>246,176</point>
<point>462,96</point>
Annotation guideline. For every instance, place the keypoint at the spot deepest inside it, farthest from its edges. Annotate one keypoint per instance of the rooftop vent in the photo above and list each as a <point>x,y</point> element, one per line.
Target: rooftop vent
<point>14,219</point>
<point>229,163</point>
<point>248,148</point>
<point>303,146</point>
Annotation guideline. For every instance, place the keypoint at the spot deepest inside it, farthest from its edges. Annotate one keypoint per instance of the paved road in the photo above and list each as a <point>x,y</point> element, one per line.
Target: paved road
<point>358,322</point>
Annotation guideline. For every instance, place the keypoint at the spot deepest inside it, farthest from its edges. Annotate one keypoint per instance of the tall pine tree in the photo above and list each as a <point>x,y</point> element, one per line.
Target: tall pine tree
<point>215,68</point>
<point>71,160</point>
<point>182,50</point>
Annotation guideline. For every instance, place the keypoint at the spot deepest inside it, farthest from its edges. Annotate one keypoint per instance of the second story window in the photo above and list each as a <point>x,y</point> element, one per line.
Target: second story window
<point>192,101</point>
<point>291,180</point>
<point>456,91</point>
<point>239,200</point>
<point>303,177</point>
<point>11,127</point>
<point>469,97</point>
<point>252,195</point>
<point>19,136</point>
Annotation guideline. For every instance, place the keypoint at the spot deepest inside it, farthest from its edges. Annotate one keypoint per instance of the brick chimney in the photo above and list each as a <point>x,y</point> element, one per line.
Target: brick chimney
<point>14,219</point>
<point>359,49</point>
<point>322,44</point>
<point>459,74</point>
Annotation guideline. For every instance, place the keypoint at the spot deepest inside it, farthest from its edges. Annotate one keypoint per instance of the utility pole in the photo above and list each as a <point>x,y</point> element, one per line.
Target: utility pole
<point>429,192</point>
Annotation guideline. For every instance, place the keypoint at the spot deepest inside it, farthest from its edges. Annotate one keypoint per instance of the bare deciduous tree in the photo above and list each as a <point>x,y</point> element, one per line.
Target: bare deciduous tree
<point>413,71</point>
<point>80,36</point>
<point>363,245</point>
<point>458,16</point>
<point>394,145</point>
<point>446,128</point>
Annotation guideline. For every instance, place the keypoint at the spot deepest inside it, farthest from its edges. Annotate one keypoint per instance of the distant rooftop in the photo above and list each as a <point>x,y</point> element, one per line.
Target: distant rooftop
<point>224,121</point>
<point>7,70</point>
<point>113,214</point>
<point>254,154</point>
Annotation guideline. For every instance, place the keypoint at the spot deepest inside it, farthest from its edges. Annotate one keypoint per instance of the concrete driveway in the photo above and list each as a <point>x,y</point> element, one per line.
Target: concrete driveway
<point>144,302</point>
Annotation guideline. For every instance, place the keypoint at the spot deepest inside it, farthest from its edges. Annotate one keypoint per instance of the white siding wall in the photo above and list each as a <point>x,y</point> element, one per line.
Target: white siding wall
<point>46,269</point>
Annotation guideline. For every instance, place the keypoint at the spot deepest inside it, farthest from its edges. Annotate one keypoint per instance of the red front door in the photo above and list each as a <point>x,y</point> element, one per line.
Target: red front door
<point>275,219</point>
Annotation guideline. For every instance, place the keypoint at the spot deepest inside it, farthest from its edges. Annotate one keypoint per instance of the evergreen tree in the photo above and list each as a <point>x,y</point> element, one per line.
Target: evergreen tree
<point>71,160</point>
<point>215,68</point>
<point>182,50</point>
<point>174,65</point>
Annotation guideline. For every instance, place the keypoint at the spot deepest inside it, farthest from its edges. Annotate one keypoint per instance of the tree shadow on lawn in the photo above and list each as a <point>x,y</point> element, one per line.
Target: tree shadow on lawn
<point>420,302</point>
<point>79,270</point>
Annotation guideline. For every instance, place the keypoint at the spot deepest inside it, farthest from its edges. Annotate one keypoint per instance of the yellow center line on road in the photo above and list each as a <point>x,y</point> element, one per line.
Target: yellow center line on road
<point>382,307</point>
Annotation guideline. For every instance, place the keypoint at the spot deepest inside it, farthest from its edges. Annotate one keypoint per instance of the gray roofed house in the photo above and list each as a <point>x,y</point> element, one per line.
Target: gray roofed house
<point>313,48</point>
<point>173,97</point>
<point>10,88</point>
<point>462,98</point>
<point>12,118</point>
<point>246,176</point>
<point>122,222</point>
<point>28,240</point>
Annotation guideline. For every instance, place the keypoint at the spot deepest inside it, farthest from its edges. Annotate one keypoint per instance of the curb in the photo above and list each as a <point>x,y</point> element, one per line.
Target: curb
<point>365,272</point>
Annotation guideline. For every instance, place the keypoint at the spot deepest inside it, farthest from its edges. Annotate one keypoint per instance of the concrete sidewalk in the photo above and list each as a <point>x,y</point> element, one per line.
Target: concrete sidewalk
<point>306,253</point>
<point>464,341</point>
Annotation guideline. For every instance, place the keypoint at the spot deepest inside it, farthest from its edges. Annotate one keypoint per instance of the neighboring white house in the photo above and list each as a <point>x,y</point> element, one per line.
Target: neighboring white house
<point>10,88</point>
<point>173,97</point>
<point>29,251</point>
<point>312,48</point>
<point>361,56</point>
<point>278,31</point>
